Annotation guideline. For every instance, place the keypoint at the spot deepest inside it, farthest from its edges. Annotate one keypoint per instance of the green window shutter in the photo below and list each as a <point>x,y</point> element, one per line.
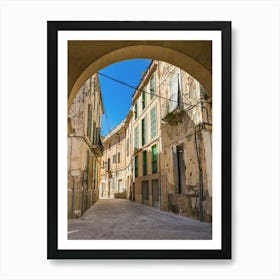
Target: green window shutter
<point>94,172</point>
<point>153,123</point>
<point>143,132</point>
<point>135,110</point>
<point>154,159</point>
<point>152,86</point>
<point>144,163</point>
<point>136,137</point>
<point>89,120</point>
<point>136,166</point>
<point>87,169</point>
<point>143,100</point>
<point>94,134</point>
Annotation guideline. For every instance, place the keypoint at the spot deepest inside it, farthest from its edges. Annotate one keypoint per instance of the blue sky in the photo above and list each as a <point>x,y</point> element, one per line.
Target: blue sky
<point>117,97</point>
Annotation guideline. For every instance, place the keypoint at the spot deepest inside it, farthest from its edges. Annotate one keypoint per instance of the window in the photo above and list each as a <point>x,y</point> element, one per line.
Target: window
<point>136,166</point>
<point>119,157</point>
<point>94,138</point>
<point>109,164</point>
<point>154,159</point>
<point>153,123</point>
<point>114,158</point>
<point>127,147</point>
<point>143,131</point>
<point>143,100</point>
<point>135,110</point>
<point>152,86</point>
<point>120,185</point>
<point>92,86</point>
<point>89,119</point>
<point>87,169</point>
<point>94,172</point>
<point>144,163</point>
<point>136,137</point>
<point>173,92</point>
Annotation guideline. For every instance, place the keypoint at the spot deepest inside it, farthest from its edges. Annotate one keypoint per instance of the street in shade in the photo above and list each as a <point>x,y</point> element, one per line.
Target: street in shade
<point>123,219</point>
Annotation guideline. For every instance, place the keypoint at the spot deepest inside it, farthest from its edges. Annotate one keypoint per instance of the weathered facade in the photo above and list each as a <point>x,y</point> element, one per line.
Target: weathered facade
<point>84,148</point>
<point>115,168</point>
<point>145,125</point>
<point>186,159</point>
<point>168,143</point>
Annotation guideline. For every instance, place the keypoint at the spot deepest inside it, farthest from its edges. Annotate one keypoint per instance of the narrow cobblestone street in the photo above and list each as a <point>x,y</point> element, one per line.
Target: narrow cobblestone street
<point>123,219</point>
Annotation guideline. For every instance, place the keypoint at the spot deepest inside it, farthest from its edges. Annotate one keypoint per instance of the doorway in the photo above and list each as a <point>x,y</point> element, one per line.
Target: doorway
<point>155,193</point>
<point>145,192</point>
<point>181,168</point>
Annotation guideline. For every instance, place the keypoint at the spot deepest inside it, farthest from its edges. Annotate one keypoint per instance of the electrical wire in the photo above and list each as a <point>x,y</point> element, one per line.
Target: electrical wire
<point>136,88</point>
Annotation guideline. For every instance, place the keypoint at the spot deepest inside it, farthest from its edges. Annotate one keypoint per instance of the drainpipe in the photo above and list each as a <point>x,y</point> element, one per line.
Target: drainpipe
<point>201,218</point>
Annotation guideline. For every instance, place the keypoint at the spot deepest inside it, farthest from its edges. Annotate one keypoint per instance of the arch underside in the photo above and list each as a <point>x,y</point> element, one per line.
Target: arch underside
<point>87,57</point>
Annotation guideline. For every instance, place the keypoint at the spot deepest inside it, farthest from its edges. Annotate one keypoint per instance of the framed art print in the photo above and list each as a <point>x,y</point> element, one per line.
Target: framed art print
<point>139,140</point>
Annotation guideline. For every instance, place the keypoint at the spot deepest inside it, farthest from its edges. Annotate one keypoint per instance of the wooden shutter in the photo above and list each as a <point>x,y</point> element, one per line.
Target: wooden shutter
<point>153,123</point>
<point>174,92</point>
<point>89,120</point>
<point>144,163</point>
<point>143,132</point>
<point>152,86</point>
<point>154,159</point>
<point>143,100</point>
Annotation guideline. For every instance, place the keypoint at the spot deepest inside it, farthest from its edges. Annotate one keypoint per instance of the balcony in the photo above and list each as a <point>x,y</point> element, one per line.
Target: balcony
<point>172,113</point>
<point>97,149</point>
<point>96,145</point>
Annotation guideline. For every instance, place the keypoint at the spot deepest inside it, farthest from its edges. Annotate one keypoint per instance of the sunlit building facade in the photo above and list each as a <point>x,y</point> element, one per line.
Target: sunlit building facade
<point>84,148</point>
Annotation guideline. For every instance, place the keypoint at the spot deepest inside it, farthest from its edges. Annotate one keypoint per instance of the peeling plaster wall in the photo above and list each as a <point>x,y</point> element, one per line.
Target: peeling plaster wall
<point>82,195</point>
<point>185,201</point>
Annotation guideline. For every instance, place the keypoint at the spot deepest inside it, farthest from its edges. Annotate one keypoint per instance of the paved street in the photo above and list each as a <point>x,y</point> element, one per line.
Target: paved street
<point>123,219</point>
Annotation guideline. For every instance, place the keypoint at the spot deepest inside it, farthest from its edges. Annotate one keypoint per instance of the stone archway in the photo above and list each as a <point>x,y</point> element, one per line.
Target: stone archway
<point>87,57</point>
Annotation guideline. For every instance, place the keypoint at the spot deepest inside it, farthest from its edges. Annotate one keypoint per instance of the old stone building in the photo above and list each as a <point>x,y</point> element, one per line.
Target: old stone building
<point>168,143</point>
<point>145,125</point>
<point>115,168</point>
<point>84,148</point>
<point>186,159</point>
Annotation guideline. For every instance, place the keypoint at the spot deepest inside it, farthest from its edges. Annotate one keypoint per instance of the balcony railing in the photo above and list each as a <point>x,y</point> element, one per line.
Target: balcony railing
<point>97,150</point>
<point>96,145</point>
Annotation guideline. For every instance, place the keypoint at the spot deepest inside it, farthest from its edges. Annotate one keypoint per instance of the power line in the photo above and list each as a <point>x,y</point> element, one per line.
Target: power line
<point>136,88</point>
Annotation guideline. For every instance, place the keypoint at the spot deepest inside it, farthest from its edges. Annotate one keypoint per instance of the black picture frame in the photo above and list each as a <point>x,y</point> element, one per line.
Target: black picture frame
<point>52,139</point>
